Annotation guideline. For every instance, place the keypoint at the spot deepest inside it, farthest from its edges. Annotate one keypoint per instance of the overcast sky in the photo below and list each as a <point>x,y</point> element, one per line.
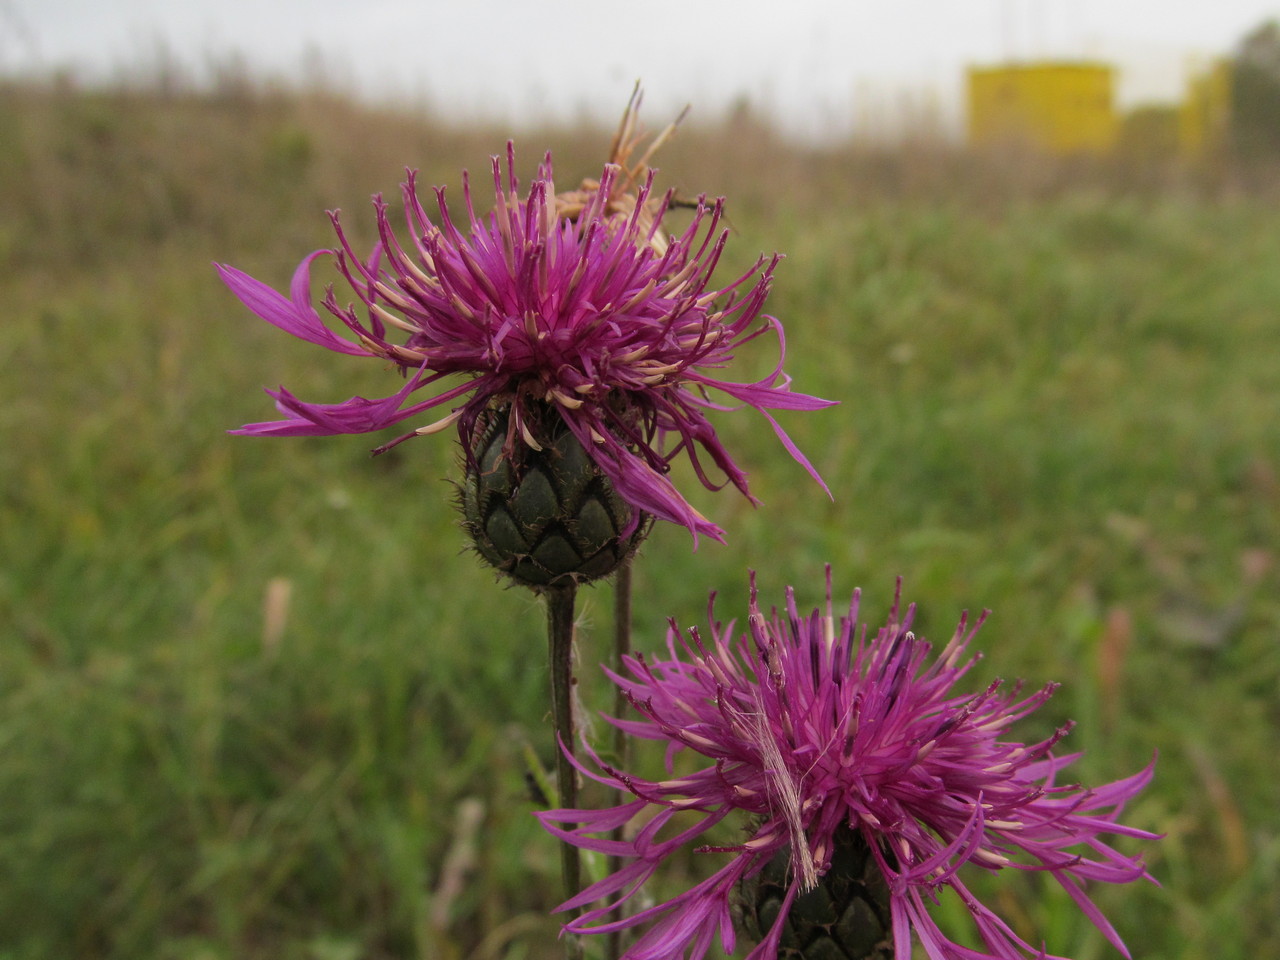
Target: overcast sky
<point>817,65</point>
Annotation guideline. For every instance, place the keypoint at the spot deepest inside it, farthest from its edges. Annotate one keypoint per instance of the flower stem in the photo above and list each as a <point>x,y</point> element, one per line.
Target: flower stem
<point>621,742</point>
<point>560,613</point>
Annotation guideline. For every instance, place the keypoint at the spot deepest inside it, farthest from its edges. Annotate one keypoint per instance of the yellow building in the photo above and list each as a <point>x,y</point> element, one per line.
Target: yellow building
<point>1204,117</point>
<point>1057,107</point>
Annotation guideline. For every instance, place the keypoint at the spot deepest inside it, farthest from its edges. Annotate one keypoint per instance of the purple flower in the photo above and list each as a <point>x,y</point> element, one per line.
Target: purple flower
<point>576,306</point>
<point>812,729</point>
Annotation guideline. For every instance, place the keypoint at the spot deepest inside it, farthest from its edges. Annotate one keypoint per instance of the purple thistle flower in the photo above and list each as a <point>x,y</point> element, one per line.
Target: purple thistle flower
<point>818,732</point>
<point>576,306</point>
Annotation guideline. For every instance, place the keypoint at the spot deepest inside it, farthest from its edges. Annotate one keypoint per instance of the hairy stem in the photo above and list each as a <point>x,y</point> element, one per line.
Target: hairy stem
<point>560,613</point>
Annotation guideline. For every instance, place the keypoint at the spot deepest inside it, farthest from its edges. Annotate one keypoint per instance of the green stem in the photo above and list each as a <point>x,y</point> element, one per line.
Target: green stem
<point>621,649</point>
<point>621,742</point>
<point>560,613</point>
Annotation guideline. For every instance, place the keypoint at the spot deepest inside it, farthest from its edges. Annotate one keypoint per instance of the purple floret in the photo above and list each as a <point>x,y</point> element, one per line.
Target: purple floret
<point>577,304</point>
<point>810,727</point>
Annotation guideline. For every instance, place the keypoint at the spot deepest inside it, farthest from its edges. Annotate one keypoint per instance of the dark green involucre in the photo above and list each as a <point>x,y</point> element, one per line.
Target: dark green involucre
<point>846,917</point>
<point>549,519</point>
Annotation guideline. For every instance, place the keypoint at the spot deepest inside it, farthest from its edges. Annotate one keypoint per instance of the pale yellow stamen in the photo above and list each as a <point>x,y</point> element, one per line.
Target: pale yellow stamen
<point>635,354</point>
<point>528,437</point>
<point>439,425</point>
<point>386,316</point>
<point>658,369</point>
<point>995,859</point>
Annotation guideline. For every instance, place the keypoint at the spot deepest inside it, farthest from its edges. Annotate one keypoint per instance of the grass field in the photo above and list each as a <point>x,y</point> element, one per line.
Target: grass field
<point>257,701</point>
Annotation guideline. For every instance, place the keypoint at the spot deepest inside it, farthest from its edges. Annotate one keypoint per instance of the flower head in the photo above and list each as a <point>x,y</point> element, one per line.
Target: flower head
<point>819,734</point>
<point>576,308</point>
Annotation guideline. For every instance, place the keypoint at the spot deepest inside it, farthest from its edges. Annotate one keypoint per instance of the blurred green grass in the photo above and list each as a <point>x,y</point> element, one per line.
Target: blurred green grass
<point>1058,400</point>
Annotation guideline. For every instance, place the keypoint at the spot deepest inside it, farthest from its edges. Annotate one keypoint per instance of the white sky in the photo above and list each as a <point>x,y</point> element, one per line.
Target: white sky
<point>817,66</point>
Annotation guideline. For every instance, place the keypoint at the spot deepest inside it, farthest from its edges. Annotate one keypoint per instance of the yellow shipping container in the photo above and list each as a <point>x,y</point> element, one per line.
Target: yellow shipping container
<point>1057,107</point>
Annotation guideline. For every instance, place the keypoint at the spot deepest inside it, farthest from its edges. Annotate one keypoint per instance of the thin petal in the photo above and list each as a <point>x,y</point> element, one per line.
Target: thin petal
<point>295,316</point>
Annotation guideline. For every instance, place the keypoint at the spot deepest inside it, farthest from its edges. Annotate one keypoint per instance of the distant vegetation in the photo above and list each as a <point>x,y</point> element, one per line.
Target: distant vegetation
<point>1255,96</point>
<point>256,701</point>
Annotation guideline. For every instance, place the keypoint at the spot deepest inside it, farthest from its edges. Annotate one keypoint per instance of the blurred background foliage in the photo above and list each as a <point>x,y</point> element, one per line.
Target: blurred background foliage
<point>256,698</point>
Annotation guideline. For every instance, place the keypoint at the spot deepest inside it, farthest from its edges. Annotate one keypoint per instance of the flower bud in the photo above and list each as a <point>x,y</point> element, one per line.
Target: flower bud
<point>846,917</point>
<point>545,516</point>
